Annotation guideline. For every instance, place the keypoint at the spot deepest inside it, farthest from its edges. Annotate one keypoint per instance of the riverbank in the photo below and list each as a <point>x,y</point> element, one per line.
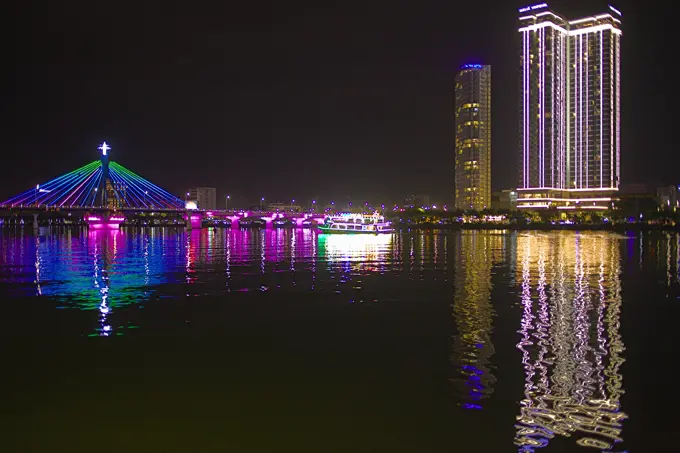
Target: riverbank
<point>634,227</point>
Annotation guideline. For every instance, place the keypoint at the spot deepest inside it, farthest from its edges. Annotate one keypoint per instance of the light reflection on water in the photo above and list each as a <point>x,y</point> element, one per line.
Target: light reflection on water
<point>570,341</point>
<point>565,288</point>
<point>476,254</point>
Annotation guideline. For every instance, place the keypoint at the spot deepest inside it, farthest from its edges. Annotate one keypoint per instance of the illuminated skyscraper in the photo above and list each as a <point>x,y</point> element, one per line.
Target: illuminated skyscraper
<point>569,109</point>
<point>473,137</point>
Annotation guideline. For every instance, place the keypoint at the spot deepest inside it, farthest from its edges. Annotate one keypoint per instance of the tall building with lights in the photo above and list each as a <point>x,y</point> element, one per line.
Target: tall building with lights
<point>569,109</point>
<point>473,137</point>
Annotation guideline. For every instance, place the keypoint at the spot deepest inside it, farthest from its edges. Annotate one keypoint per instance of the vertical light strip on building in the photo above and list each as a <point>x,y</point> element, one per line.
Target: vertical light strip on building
<point>601,63</point>
<point>525,124</point>
<point>553,93</point>
<point>564,117</point>
<point>611,110</point>
<point>575,99</point>
<point>541,99</point>
<point>587,104</point>
<point>615,178</point>
<point>579,98</point>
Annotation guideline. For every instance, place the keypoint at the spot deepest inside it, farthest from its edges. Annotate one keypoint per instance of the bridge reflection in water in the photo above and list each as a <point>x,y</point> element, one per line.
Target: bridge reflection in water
<point>571,347</point>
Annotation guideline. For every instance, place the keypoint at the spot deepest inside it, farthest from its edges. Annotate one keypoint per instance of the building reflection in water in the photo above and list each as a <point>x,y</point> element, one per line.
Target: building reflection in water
<point>475,254</point>
<point>571,347</point>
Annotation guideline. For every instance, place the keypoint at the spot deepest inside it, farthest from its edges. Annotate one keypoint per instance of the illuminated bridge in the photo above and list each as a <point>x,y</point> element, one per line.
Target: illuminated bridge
<point>104,193</point>
<point>100,184</point>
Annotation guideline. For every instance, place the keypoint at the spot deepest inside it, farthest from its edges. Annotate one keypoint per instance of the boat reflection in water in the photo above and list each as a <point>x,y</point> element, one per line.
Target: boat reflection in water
<point>347,257</point>
<point>571,347</point>
<point>366,249</point>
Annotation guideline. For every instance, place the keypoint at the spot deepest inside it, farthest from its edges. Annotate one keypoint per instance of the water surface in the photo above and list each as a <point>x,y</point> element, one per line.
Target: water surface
<point>287,340</point>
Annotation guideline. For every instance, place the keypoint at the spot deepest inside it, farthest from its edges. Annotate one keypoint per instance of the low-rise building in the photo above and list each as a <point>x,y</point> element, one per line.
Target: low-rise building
<point>504,200</point>
<point>205,197</point>
<point>667,197</point>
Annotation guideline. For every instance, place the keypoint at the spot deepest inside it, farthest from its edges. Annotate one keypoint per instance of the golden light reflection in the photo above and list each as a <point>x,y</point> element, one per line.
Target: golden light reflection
<point>570,342</point>
<point>476,252</point>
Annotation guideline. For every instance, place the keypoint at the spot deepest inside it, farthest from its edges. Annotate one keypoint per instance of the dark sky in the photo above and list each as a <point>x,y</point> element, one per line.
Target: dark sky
<point>296,99</point>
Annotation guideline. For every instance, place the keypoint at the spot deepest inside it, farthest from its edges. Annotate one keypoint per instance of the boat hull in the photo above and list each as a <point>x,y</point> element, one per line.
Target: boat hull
<point>327,230</point>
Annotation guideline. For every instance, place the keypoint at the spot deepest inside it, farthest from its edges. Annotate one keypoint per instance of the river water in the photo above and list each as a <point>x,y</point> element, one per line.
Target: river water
<point>161,340</point>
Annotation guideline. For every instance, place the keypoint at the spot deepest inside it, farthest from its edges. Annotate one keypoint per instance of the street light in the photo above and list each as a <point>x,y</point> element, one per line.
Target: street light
<point>261,204</point>
<point>37,188</point>
<point>226,202</point>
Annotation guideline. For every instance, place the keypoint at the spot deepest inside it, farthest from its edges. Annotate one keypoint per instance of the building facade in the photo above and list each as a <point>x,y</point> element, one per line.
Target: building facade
<point>569,109</point>
<point>205,197</point>
<point>505,200</point>
<point>473,137</point>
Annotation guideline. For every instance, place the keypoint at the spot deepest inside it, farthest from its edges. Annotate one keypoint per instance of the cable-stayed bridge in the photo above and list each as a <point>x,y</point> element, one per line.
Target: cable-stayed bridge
<point>101,184</point>
<point>104,192</point>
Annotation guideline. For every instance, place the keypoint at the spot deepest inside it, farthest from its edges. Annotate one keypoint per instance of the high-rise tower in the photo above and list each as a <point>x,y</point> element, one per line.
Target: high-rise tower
<point>473,137</point>
<point>569,109</point>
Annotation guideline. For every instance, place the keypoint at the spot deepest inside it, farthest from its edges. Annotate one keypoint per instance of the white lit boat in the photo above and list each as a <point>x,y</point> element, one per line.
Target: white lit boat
<point>348,223</point>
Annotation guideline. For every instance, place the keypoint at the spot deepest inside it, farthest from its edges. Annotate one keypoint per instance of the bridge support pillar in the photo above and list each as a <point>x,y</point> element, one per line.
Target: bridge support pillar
<point>188,220</point>
<point>35,221</point>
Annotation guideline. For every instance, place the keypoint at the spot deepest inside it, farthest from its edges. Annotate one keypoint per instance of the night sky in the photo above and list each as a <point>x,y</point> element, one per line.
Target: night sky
<point>296,99</point>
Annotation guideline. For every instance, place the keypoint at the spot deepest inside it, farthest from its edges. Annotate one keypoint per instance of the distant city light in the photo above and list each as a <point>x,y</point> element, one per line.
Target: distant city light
<point>104,147</point>
<point>615,10</point>
<point>533,7</point>
<point>472,66</point>
<point>191,205</point>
